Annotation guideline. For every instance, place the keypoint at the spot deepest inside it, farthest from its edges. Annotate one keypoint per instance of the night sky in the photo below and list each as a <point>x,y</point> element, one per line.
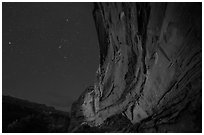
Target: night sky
<point>50,51</point>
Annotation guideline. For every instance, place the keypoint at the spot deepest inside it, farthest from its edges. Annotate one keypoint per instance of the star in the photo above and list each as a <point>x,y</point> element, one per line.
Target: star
<point>60,46</point>
<point>11,44</point>
<point>67,20</point>
<point>65,59</point>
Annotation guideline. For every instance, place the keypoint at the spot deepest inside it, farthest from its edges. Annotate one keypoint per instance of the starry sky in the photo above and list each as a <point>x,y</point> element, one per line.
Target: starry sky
<point>50,51</point>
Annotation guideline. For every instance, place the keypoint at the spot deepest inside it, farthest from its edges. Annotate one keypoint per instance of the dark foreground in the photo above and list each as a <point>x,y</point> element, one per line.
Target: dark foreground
<point>21,116</point>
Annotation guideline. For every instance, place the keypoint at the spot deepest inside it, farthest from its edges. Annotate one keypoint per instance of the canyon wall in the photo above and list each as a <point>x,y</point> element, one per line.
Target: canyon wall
<point>150,68</point>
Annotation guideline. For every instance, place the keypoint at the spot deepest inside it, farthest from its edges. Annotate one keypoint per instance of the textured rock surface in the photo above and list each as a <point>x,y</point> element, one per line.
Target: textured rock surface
<point>150,67</point>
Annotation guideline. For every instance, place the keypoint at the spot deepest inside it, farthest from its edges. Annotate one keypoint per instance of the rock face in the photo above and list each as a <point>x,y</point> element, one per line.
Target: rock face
<point>150,67</point>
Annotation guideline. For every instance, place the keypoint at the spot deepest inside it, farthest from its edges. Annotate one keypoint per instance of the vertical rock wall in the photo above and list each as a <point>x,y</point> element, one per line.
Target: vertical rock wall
<point>150,66</point>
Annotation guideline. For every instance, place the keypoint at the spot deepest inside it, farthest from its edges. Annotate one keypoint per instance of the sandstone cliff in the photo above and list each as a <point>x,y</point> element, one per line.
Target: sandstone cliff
<point>150,68</point>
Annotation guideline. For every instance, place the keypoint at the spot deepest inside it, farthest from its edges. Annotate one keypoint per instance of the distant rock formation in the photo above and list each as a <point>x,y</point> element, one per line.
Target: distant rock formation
<point>23,116</point>
<point>150,67</point>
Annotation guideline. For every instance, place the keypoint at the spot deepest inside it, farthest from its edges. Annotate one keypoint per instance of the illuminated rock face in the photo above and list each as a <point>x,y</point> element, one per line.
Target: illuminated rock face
<point>150,65</point>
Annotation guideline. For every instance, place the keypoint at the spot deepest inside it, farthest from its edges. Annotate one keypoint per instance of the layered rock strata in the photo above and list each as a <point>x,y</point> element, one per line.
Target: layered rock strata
<point>150,67</point>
